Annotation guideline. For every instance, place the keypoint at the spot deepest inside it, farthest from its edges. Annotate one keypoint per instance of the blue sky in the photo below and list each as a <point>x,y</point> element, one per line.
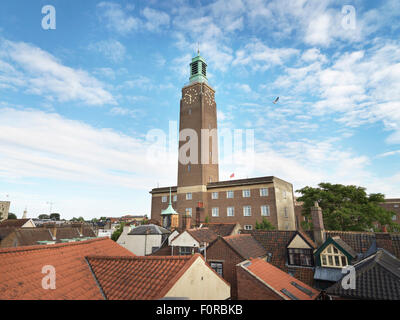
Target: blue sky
<point>77,102</point>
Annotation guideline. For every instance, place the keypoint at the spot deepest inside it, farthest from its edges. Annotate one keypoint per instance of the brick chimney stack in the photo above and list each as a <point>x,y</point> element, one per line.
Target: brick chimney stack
<point>318,224</point>
<point>186,221</point>
<point>384,241</point>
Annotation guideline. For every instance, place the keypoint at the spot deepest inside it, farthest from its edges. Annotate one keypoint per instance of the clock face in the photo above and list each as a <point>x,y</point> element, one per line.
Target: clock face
<point>209,96</point>
<point>190,96</point>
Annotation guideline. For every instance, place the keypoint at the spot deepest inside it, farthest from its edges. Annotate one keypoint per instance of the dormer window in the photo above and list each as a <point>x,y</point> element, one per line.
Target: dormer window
<point>300,257</point>
<point>333,258</point>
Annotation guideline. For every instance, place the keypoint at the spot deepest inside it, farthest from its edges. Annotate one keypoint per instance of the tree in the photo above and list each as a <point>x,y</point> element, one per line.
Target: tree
<point>117,232</point>
<point>43,216</point>
<point>345,208</point>
<point>12,216</point>
<point>55,216</point>
<point>264,225</point>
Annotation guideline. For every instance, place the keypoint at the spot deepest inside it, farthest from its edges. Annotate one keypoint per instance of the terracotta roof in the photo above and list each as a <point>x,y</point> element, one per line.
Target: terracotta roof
<point>65,233</point>
<point>275,243</point>
<point>202,235</point>
<point>245,245</point>
<point>21,270</point>
<point>377,278</point>
<point>221,229</point>
<point>288,287</point>
<point>139,278</point>
<point>17,223</point>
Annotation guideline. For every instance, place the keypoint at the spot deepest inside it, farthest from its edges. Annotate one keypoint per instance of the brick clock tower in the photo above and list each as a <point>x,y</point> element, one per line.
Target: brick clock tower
<point>198,112</point>
<point>199,195</point>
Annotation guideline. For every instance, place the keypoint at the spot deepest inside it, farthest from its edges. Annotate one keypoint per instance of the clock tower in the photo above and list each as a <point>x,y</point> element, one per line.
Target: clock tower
<point>198,121</point>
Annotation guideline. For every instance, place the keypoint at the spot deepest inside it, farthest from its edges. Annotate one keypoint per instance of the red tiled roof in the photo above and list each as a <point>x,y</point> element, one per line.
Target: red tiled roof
<point>21,270</point>
<point>139,278</point>
<point>278,280</point>
<point>245,245</point>
<point>17,223</point>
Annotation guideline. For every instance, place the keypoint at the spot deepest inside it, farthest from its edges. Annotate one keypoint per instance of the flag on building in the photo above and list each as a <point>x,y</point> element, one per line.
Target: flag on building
<point>232,175</point>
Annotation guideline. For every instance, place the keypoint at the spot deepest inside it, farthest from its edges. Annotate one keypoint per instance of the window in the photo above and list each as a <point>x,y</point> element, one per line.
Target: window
<point>284,194</point>
<point>300,257</point>
<point>188,211</point>
<point>285,212</point>
<point>184,251</point>
<point>247,211</point>
<point>164,199</point>
<point>246,193</point>
<point>265,211</point>
<point>229,194</point>
<point>189,167</point>
<point>214,195</point>
<point>264,192</point>
<point>332,257</point>
<point>189,196</point>
<point>394,218</point>
<point>190,111</point>
<point>215,212</point>
<point>217,267</point>
<point>396,206</point>
<point>248,227</point>
<point>230,211</point>
<point>209,179</point>
<point>175,198</point>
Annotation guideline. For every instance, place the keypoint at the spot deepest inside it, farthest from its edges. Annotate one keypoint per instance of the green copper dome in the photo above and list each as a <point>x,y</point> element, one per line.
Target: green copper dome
<point>198,69</point>
<point>169,210</point>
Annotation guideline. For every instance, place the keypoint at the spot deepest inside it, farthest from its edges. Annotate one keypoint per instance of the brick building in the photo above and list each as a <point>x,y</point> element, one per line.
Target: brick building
<point>199,193</point>
<point>224,253</point>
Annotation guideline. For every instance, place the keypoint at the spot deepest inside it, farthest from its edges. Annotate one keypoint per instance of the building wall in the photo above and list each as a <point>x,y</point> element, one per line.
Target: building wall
<point>199,282</point>
<point>219,251</point>
<point>275,200</point>
<point>184,240</point>
<point>393,205</point>
<point>4,208</point>
<point>250,288</point>
<point>136,243</point>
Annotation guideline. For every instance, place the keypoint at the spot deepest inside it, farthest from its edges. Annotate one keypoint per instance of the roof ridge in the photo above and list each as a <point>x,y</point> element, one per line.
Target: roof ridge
<point>183,257</point>
<point>237,235</point>
<point>53,246</point>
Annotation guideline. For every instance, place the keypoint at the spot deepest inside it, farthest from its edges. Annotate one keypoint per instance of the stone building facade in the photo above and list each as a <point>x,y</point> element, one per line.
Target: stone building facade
<point>199,192</point>
<point>4,208</point>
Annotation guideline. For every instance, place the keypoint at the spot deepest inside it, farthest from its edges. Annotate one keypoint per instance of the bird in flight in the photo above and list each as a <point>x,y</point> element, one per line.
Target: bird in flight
<point>276,101</point>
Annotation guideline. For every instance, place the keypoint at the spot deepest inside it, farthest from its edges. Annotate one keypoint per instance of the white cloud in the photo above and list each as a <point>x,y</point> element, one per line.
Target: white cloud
<point>155,19</point>
<point>38,72</point>
<point>37,144</point>
<point>117,19</point>
<point>111,49</point>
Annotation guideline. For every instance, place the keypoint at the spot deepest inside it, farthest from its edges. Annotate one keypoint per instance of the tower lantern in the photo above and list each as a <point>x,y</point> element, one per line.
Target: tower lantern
<point>198,69</point>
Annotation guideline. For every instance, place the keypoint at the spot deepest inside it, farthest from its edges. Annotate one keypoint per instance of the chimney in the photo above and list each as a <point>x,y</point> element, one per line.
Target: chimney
<point>318,224</point>
<point>186,221</point>
<point>54,232</point>
<point>384,241</point>
<point>199,214</point>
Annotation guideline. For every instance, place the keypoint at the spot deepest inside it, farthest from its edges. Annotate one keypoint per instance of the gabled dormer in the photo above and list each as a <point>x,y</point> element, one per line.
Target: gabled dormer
<point>300,251</point>
<point>334,253</point>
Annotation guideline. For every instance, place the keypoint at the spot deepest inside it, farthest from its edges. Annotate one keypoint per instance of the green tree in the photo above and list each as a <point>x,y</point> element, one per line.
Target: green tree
<point>207,219</point>
<point>264,225</point>
<point>345,208</point>
<point>55,216</point>
<point>12,216</point>
<point>117,232</point>
<point>44,216</point>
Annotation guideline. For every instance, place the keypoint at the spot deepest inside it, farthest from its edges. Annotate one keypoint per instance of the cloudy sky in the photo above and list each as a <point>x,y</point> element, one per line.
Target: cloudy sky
<point>77,103</point>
